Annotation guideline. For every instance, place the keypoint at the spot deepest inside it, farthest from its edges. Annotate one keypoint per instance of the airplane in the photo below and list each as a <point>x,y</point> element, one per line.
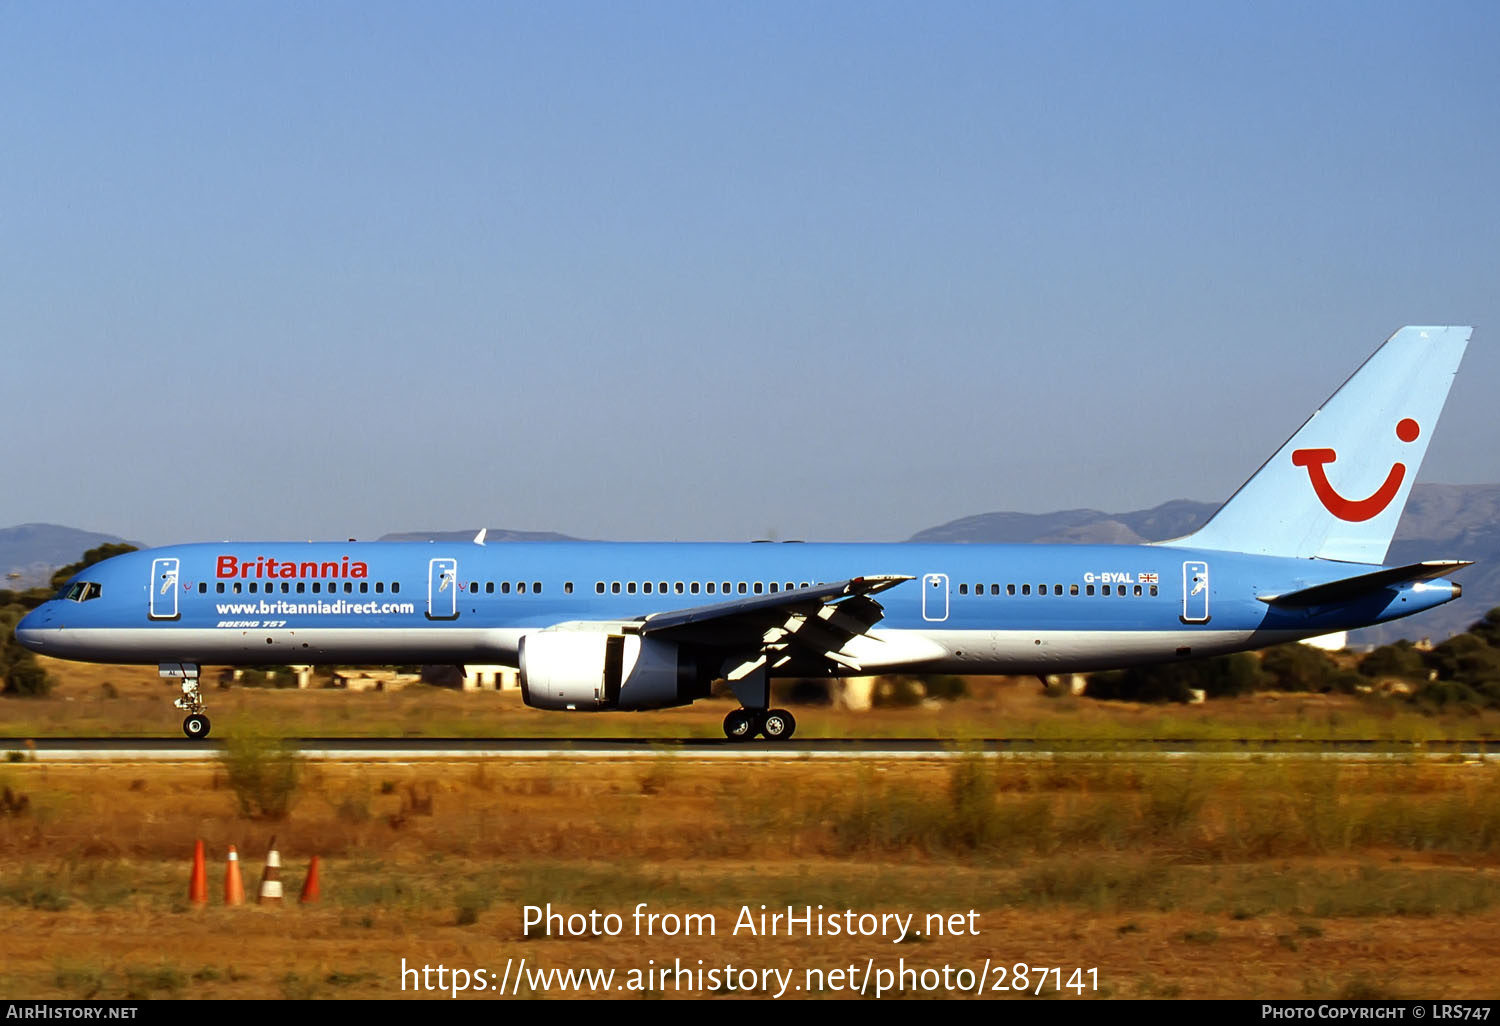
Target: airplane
<point>1297,552</point>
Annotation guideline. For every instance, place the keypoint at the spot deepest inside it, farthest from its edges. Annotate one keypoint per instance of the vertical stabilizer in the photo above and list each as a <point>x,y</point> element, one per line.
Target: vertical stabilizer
<point>1337,488</point>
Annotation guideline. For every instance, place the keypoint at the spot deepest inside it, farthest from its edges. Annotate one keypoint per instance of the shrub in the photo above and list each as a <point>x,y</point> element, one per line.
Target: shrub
<point>263,773</point>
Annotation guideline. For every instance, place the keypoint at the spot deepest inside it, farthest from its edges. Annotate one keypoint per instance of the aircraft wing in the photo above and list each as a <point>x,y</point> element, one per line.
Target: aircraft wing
<point>804,625</point>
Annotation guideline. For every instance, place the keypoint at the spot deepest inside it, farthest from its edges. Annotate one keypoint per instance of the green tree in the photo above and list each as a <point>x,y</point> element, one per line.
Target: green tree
<point>1299,667</point>
<point>1488,629</point>
<point>19,670</point>
<point>1467,659</point>
<point>1400,660</point>
<point>1218,677</point>
<point>92,556</point>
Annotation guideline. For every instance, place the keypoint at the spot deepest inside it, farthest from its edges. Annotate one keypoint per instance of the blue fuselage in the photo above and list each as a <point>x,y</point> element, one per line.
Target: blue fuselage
<point>970,608</point>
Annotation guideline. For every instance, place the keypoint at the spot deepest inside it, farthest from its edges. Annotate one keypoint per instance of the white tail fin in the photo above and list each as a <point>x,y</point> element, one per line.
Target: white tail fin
<point>1337,488</point>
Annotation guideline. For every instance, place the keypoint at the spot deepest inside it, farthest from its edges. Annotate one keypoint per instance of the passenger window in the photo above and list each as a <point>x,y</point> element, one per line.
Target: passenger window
<point>1089,590</point>
<point>630,588</point>
<point>1072,589</point>
<point>710,587</point>
<point>364,587</point>
<point>302,587</point>
<point>598,587</point>
<point>317,587</point>
<point>994,589</point>
<point>536,587</point>
<point>661,588</point>
<point>505,587</point>
<point>646,587</point>
<point>395,587</point>
<point>252,587</point>
<point>236,587</point>
<point>489,587</point>
<point>773,587</point>
<point>1025,589</point>
<point>1153,590</point>
<point>520,587</point>
<point>202,587</point>
<point>963,589</point>
<point>743,589</point>
<point>348,587</point>
<point>567,587</point>
<point>1057,589</point>
<point>693,588</point>
<point>1106,589</point>
<point>219,587</point>
<point>1137,589</point>
<point>615,587</point>
<point>1010,589</point>
<point>728,588</point>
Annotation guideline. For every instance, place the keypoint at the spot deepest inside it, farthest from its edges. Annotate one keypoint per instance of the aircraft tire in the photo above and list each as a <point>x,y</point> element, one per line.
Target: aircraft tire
<point>739,725</point>
<point>778,725</point>
<point>196,727</point>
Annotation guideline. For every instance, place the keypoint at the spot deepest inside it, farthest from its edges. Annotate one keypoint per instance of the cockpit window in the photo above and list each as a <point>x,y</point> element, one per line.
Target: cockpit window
<point>80,591</point>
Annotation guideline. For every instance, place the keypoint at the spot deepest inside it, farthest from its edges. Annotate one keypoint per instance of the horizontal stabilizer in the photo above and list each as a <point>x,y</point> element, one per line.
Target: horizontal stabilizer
<point>1351,588</point>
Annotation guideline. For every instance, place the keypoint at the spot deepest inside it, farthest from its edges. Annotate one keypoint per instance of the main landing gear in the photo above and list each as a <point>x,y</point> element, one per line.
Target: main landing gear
<point>772,724</point>
<point>752,686</point>
<point>195,725</point>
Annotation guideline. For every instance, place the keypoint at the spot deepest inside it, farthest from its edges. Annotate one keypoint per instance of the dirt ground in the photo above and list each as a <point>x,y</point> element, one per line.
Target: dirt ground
<point>428,865</point>
<point>1202,880</point>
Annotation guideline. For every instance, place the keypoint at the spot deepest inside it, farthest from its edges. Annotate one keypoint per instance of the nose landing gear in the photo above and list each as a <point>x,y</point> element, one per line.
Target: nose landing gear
<point>195,725</point>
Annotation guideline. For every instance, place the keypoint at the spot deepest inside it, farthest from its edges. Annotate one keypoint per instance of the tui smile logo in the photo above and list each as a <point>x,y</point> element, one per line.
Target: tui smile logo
<point>1354,510</point>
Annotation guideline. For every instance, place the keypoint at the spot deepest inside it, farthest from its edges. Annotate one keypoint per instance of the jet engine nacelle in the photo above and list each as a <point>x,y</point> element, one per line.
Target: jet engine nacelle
<point>590,670</point>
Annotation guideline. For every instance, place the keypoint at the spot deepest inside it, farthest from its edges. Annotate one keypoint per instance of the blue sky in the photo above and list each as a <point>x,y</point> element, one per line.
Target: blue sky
<point>714,270</point>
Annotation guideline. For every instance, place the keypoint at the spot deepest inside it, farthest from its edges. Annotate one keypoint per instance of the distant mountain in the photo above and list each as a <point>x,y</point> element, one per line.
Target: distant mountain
<point>31,553</point>
<point>494,534</point>
<point>1440,522</point>
<point>1075,526</point>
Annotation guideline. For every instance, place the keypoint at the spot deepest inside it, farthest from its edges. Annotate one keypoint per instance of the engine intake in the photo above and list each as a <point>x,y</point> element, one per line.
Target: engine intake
<point>592,670</point>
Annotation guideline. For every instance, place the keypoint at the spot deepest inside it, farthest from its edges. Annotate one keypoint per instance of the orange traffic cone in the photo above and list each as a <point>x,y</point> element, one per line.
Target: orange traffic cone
<point>310,885</point>
<point>198,884</point>
<point>270,878</point>
<point>234,884</point>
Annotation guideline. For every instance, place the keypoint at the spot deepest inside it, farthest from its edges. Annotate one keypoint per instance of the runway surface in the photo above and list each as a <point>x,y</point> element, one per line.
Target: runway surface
<point>57,750</point>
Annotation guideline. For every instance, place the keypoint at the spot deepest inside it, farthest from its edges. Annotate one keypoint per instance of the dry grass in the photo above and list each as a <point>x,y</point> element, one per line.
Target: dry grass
<point>1199,879</point>
<point>1218,880</point>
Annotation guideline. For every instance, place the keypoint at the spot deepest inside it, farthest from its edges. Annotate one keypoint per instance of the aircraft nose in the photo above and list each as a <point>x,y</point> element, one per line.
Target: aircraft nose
<point>32,630</point>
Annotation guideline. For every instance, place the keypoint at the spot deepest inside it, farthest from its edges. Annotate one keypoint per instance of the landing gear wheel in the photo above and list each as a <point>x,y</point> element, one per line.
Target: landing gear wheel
<point>739,725</point>
<point>196,727</point>
<point>778,725</point>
